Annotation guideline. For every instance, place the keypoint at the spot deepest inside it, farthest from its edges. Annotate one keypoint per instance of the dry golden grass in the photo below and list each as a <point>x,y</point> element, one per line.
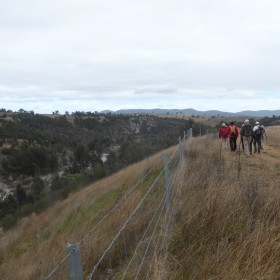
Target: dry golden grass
<point>207,120</point>
<point>38,242</point>
<point>225,221</point>
<point>225,227</point>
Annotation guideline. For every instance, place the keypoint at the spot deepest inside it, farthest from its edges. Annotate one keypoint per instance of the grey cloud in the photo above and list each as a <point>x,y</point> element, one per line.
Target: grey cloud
<point>101,50</point>
<point>156,89</point>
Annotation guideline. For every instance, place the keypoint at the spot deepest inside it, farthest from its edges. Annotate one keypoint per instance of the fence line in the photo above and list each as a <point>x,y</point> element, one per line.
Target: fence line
<point>141,240</point>
<point>57,266</point>
<point>148,246</point>
<point>162,203</point>
<point>176,190</point>
<point>123,227</point>
<point>125,224</point>
<point>115,207</point>
<point>83,239</point>
<point>163,240</point>
<point>178,151</point>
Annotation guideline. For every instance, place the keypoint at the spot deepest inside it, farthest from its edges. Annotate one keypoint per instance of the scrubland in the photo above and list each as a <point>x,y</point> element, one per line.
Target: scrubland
<point>225,221</point>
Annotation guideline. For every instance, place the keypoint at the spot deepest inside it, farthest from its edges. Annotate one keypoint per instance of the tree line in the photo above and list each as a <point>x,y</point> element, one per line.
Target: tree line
<point>44,158</point>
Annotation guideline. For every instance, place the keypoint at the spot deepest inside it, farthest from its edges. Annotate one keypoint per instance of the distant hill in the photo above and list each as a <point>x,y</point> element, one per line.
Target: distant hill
<point>190,111</point>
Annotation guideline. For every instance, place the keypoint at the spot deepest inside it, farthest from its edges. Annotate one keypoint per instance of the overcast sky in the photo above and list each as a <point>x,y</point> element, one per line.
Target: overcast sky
<point>93,55</point>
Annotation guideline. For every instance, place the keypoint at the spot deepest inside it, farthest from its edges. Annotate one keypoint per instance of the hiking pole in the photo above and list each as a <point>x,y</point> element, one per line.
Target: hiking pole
<point>239,161</point>
<point>221,144</point>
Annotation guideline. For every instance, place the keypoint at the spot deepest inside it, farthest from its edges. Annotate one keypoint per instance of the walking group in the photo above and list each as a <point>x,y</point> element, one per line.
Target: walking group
<point>250,136</point>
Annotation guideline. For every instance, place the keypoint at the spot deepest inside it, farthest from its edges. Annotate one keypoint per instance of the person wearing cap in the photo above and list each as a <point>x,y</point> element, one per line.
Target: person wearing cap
<point>233,133</point>
<point>246,133</point>
<point>223,135</point>
<point>257,135</point>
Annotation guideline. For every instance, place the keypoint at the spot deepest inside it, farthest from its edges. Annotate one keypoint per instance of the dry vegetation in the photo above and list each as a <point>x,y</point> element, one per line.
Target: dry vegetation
<point>207,120</point>
<point>225,221</point>
<point>227,228</point>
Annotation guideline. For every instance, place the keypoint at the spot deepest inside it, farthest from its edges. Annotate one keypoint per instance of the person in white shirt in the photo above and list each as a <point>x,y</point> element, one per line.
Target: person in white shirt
<point>257,134</point>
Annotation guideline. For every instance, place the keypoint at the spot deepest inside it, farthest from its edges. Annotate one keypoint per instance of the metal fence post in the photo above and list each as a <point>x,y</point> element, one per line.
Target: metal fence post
<point>187,135</point>
<point>181,149</point>
<point>74,262</point>
<point>167,190</point>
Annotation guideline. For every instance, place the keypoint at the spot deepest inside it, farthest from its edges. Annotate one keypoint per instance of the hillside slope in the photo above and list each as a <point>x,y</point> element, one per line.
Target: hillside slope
<point>224,224</point>
<point>43,158</point>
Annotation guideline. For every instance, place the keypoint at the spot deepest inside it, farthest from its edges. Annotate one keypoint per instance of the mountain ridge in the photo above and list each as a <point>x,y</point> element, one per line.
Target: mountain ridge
<point>191,111</point>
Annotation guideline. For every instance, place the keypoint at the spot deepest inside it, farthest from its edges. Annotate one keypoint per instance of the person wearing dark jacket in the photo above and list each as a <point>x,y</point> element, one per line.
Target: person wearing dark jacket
<point>246,133</point>
<point>233,133</point>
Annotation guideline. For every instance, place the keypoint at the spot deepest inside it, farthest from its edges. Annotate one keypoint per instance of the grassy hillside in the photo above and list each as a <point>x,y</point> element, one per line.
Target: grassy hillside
<point>214,121</point>
<point>43,158</point>
<point>225,221</point>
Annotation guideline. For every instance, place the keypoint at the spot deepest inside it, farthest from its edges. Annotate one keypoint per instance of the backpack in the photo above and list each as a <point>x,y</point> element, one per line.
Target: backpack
<point>247,130</point>
<point>258,132</point>
<point>223,132</point>
<point>232,130</point>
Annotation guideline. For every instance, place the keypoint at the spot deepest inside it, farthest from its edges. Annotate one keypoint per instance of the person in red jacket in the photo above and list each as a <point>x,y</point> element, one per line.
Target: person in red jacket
<point>233,133</point>
<point>223,135</point>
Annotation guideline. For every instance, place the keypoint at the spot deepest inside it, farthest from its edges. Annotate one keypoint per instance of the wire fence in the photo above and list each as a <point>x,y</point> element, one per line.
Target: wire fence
<point>148,238</point>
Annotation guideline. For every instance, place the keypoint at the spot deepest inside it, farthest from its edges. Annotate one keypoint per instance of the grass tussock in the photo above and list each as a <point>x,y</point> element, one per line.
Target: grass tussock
<point>224,227</point>
<point>225,221</point>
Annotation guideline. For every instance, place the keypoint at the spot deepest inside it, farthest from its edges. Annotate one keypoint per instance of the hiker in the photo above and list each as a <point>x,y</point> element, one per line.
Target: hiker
<point>246,133</point>
<point>257,134</point>
<point>264,137</point>
<point>223,135</point>
<point>241,139</point>
<point>233,134</point>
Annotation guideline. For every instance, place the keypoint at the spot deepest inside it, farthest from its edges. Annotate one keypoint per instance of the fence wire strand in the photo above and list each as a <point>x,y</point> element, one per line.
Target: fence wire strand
<point>123,227</point>
<point>176,153</point>
<point>98,224</point>
<point>161,204</point>
<point>149,244</point>
<point>163,240</point>
<point>58,266</point>
<point>115,207</point>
